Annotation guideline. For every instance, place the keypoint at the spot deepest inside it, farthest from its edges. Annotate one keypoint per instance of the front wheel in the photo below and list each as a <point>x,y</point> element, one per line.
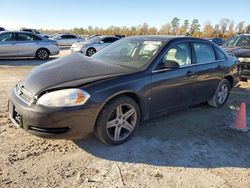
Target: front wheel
<point>221,94</point>
<point>118,121</point>
<point>90,52</point>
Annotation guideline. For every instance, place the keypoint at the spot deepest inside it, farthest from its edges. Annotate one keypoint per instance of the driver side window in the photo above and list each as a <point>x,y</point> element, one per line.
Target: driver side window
<point>179,53</point>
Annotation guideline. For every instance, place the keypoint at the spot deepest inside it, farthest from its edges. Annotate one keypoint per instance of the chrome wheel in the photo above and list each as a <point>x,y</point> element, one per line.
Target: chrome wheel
<point>42,54</point>
<point>121,123</point>
<point>90,52</point>
<point>222,94</point>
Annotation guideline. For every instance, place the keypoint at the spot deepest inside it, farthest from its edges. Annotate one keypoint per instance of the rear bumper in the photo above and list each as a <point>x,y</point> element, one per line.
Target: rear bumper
<point>48,122</point>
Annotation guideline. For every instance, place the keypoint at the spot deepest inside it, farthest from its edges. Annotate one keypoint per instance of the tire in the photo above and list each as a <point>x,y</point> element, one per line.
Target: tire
<point>221,94</point>
<point>117,121</point>
<point>42,54</point>
<point>90,52</point>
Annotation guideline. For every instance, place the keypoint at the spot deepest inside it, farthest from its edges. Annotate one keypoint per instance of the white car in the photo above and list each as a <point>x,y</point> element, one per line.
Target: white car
<point>93,45</point>
<point>67,39</point>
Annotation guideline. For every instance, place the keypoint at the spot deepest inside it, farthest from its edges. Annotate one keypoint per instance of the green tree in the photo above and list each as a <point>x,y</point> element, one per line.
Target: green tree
<point>195,27</point>
<point>175,25</point>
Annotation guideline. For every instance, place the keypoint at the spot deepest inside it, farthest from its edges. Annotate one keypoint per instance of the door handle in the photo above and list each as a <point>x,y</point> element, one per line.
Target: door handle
<point>219,67</point>
<point>190,73</point>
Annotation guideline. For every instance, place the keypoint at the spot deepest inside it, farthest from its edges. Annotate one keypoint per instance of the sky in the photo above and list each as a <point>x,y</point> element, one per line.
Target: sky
<point>67,14</point>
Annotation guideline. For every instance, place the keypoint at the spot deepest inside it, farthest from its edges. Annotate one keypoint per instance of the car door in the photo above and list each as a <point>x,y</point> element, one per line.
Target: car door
<point>27,44</point>
<point>208,69</point>
<point>173,88</point>
<point>63,40</point>
<point>71,39</point>
<point>8,45</point>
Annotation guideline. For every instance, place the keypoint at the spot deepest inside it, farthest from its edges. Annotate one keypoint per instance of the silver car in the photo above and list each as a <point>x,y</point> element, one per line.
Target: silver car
<point>93,45</point>
<point>67,39</point>
<point>25,44</point>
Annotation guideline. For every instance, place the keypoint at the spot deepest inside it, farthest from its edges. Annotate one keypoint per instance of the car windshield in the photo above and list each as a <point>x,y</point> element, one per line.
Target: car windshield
<point>238,41</point>
<point>94,39</point>
<point>55,36</point>
<point>129,52</point>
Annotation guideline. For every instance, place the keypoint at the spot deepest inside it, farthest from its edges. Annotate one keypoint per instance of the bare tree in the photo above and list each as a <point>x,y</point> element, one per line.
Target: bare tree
<point>165,29</point>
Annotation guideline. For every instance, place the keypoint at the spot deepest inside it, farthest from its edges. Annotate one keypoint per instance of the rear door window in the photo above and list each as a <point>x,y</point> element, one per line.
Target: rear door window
<point>204,52</point>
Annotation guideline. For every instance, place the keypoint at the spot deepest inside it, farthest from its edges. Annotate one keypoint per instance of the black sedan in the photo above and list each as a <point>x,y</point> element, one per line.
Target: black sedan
<point>131,80</point>
<point>239,45</point>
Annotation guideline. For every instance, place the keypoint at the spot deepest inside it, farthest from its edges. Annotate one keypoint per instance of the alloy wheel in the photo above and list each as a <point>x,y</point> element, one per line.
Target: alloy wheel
<point>42,54</point>
<point>121,122</point>
<point>222,94</point>
<point>91,52</point>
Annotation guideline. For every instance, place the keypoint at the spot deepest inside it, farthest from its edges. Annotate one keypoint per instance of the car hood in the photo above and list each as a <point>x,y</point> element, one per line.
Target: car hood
<point>70,71</point>
<point>239,52</point>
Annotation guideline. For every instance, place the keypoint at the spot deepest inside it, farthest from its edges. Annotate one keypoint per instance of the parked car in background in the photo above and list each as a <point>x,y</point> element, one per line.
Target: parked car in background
<point>25,44</point>
<point>239,45</point>
<point>218,41</point>
<point>94,44</point>
<point>2,29</point>
<point>131,80</point>
<point>34,31</point>
<point>67,39</point>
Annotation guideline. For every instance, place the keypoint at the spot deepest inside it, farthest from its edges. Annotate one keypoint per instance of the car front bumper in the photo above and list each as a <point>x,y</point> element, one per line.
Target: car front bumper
<point>52,122</point>
<point>245,70</point>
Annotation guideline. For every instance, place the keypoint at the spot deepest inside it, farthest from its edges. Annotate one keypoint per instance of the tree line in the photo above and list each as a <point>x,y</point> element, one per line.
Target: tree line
<point>224,29</point>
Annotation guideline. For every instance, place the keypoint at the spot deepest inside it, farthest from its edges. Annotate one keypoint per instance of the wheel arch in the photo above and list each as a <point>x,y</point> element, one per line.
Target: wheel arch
<point>230,80</point>
<point>130,94</point>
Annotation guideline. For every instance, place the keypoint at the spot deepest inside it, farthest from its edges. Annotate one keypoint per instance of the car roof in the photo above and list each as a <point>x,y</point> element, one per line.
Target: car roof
<point>64,34</point>
<point>165,38</point>
<point>25,32</point>
<point>104,36</point>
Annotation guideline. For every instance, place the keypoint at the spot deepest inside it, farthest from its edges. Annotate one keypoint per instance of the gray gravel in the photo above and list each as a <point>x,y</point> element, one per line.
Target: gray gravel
<point>191,148</point>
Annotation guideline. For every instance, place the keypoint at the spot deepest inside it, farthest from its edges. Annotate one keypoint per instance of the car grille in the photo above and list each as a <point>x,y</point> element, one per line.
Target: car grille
<point>23,94</point>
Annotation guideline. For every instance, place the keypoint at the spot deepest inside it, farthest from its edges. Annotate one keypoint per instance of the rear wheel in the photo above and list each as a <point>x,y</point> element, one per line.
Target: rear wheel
<point>42,54</point>
<point>221,94</point>
<point>90,52</point>
<point>118,121</point>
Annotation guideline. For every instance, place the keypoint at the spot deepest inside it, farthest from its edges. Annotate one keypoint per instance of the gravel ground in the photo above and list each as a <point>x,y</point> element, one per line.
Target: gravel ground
<point>190,148</point>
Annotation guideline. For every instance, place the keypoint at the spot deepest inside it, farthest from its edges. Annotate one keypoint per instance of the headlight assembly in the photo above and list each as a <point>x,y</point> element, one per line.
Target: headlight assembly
<point>64,98</point>
<point>244,59</point>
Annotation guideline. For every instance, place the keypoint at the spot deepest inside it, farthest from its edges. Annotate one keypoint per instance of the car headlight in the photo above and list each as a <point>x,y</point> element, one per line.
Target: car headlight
<point>63,98</point>
<point>244,59</point>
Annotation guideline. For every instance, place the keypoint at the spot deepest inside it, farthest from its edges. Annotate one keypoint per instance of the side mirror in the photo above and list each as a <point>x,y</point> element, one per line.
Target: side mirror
<point>101,42</point>
<point>59,37</point>
<point>169,64</point>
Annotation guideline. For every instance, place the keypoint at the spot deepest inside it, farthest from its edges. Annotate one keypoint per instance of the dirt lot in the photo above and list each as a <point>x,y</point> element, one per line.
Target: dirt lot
<point>190,148</point>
